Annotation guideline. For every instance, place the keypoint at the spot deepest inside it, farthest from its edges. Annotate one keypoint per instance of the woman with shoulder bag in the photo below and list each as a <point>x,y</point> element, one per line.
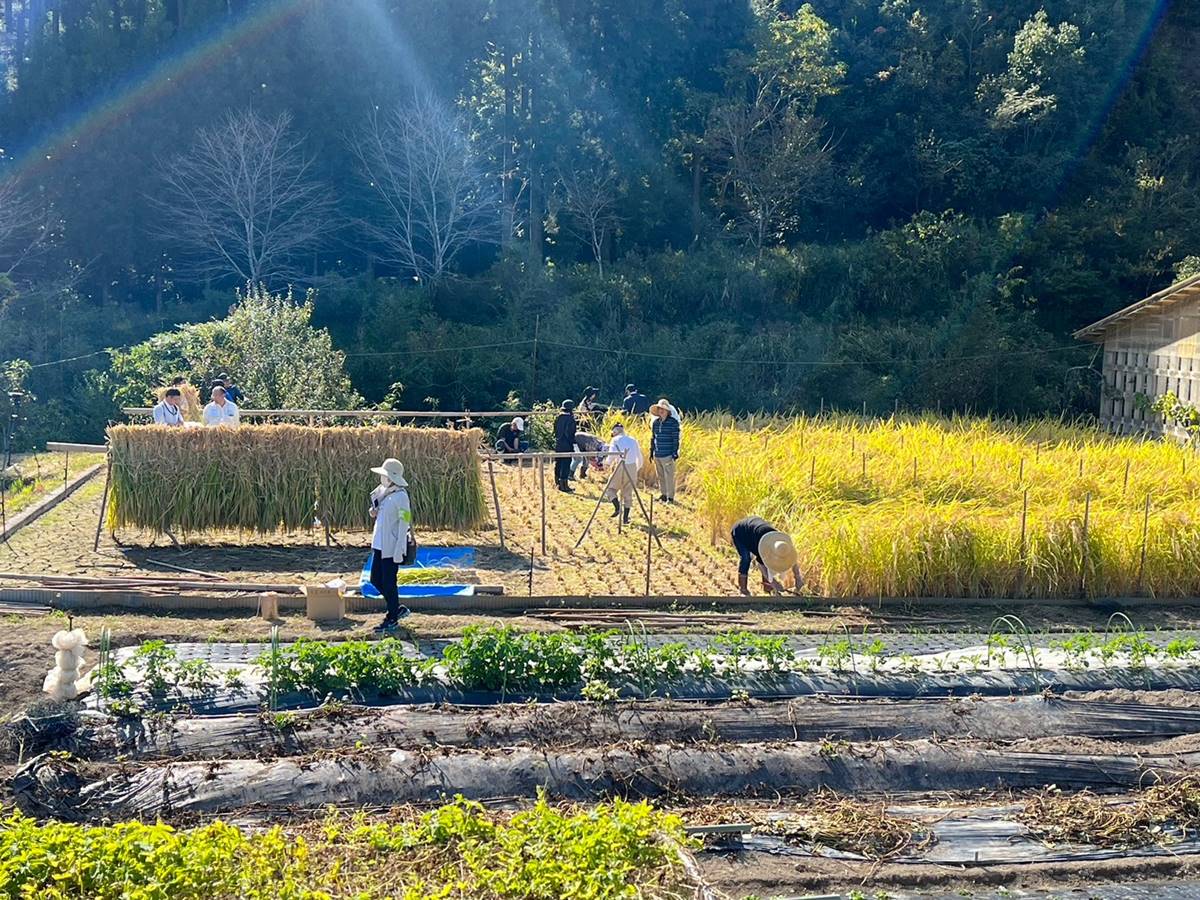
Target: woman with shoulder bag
<point>392,541</point>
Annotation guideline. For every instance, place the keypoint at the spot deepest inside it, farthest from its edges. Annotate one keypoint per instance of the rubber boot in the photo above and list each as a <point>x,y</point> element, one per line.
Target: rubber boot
<point>626,516</point>
<point>616,508</point>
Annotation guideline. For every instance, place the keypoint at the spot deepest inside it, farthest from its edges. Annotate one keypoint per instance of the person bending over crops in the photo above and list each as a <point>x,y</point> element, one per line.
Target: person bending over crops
<point>169,410</point>
<point>665,436</point>
<point>390,539</point>
<point>620,489</point>
<point>586,442</point>
<point>511,437</point>
<point>221,412</point>
<point>564,442</point>
<point>754,538</point>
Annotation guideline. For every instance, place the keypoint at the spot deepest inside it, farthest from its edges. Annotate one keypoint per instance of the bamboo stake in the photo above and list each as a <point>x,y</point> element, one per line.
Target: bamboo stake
<point>1145,535</point>
<point>66,466</point>
<point>649,544</point>
<point>864,467</point>
<point>1024,520</point>
<point>1125,485</point>
<point>599,500</point>
<point>812,472</point>
<point>531,550</point>
<point>1081,467</point>
<point>914,470</point>
<point>1083,555</point>
<point>1021,473</point>
<point>103,505</point>
<point>542,486</point>
<point>496,502</point>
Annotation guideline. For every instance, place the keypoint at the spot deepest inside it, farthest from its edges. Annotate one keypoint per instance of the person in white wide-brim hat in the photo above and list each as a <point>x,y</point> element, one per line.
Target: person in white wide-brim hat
<point>392,511</point>
<point>754,538</point>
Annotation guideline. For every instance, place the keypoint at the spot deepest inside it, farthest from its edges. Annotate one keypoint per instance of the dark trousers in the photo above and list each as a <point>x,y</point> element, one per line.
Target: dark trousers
<point>383,577</point>
<point>562,470</point>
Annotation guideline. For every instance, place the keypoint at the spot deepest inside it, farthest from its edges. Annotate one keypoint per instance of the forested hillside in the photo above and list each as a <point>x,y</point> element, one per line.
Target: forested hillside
<point>744,204</point>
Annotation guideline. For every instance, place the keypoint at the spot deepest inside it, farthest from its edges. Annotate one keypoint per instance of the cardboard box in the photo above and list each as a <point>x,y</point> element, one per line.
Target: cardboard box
<point>324,604</point>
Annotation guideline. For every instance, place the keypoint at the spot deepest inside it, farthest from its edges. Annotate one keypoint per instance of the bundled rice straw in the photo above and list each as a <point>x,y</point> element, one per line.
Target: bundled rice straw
<point>268,478</point>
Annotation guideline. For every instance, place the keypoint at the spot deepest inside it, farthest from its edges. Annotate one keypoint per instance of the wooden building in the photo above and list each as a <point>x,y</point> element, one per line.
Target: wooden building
<point>1150,348</point>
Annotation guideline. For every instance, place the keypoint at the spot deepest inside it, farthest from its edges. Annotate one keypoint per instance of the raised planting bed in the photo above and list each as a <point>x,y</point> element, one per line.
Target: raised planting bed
<point>59,786</point>
<point>490,664</point>
<point>458,851</point>
<point>582,724</point>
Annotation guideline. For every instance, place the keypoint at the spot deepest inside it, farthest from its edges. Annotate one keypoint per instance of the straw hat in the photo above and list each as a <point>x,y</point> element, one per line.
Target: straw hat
<point>518,423</point>
<point>662,405</point>
<point>394,470</point>
<point>777,552</point>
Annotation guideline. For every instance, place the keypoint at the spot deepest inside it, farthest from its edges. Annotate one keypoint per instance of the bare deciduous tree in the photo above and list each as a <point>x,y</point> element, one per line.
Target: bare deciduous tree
<point>25,225</point>
<point>589,198</point>
<point>243,201</point>
<point>432,195</point>
<point>774,158</point>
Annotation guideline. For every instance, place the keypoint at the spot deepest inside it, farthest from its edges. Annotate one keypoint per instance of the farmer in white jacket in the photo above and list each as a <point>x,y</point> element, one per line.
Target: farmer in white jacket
<point>621,487</point>
<point>392,512</point>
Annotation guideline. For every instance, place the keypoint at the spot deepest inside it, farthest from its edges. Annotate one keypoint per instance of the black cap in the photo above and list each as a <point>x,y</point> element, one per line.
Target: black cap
<point>568,405</point>
<point>629,388</point>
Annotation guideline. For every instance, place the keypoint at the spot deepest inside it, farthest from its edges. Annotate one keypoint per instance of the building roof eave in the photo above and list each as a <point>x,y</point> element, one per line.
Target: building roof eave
<point>1189,287</point>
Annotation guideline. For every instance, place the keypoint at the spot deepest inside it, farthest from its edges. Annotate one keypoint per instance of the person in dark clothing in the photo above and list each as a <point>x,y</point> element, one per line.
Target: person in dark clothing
<point>232,391</point>
<point>636,403</point>
<point>511,437</point>
<point>754,538</point>
<point>586,442</point>
<point>565,427</point>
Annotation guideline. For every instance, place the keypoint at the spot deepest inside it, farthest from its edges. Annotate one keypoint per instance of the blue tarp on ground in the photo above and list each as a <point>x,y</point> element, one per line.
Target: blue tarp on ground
<point>427,558</point>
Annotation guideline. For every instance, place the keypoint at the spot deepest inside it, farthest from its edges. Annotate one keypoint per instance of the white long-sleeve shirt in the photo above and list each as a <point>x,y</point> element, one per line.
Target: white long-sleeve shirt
<point>393,517</point>
<point>633,455</point>
<point>166,414</point>
<point>227,414</point>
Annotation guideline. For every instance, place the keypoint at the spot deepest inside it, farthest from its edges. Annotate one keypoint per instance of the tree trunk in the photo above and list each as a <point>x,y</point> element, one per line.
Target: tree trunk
<point>537,235</point>
<point>697,224</point>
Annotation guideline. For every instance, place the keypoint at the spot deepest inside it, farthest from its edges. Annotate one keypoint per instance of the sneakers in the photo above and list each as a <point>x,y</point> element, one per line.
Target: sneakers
<point>390,625</point>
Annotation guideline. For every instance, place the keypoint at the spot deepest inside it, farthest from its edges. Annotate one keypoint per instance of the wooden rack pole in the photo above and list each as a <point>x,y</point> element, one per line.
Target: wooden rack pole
<point>650,537</point>
<point>496,502</point>
<point>542,487</point>
<point>620,464</point>
<point>103,505</point>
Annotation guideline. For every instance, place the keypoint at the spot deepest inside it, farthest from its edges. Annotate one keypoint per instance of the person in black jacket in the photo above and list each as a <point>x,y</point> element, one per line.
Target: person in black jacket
<point>564,442</point>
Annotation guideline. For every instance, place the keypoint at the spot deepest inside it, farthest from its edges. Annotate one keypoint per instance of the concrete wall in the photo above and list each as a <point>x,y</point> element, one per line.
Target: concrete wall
<point>1152,353</point>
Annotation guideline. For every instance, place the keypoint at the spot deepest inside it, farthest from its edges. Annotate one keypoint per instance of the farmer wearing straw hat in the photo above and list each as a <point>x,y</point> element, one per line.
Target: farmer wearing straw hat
<point>665,435</point>
<point>392,512</point>
<point>756,538</point>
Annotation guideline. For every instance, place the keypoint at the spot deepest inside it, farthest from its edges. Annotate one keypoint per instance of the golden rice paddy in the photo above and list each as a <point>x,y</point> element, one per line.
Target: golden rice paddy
<point>961,507</point>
